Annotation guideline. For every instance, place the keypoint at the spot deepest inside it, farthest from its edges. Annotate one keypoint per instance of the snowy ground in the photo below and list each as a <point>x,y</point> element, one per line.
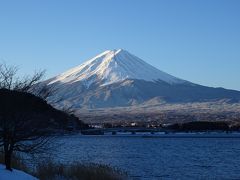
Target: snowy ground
<point>14,175</point>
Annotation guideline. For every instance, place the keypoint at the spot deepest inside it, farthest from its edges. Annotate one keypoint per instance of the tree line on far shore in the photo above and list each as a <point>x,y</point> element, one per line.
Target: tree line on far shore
<point>204,126</point>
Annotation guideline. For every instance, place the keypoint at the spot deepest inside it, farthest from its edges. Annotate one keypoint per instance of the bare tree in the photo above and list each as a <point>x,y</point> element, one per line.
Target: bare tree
<point>26,121</point>
<point>9,79</point>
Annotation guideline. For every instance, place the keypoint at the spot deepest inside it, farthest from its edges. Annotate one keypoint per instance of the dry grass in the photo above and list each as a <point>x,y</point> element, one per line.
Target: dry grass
<point>78,171</point>
<point>48,170</point>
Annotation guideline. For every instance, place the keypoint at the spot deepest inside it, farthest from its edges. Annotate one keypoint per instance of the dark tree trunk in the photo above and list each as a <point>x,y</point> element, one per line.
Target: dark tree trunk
<point>8,158</point>
<point>8,149</point>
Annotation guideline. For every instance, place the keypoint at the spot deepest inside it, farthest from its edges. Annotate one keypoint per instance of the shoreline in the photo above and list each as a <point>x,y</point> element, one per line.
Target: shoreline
<point>162,135</point>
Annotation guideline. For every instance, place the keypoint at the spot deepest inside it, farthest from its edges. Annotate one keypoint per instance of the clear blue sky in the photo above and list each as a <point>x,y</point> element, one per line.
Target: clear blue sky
<point>197,40</point>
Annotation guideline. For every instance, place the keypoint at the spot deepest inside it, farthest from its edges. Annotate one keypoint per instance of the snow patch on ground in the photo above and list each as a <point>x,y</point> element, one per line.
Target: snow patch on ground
<point>14,175</point>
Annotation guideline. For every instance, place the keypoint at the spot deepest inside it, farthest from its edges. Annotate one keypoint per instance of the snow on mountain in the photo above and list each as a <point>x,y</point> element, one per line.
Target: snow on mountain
<point>114,66</point>
<point>116,78</point>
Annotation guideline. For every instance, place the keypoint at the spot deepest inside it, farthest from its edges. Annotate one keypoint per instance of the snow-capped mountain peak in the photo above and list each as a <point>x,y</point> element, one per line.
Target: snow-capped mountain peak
<point>113,66</point>
<point>116,78</point>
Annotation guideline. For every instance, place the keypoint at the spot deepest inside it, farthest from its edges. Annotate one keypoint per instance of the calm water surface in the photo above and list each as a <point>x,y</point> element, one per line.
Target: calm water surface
<point>157,158</point>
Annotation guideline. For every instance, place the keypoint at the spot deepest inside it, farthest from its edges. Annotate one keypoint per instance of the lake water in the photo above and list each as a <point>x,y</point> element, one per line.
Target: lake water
<point>157,158</point>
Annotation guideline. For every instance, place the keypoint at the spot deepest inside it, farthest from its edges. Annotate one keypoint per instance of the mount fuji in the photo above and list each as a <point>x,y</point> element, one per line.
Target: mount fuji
<point>116,78</point>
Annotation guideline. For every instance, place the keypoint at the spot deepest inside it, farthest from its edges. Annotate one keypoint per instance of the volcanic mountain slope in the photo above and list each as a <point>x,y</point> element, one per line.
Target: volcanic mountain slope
<point>116,78</point>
